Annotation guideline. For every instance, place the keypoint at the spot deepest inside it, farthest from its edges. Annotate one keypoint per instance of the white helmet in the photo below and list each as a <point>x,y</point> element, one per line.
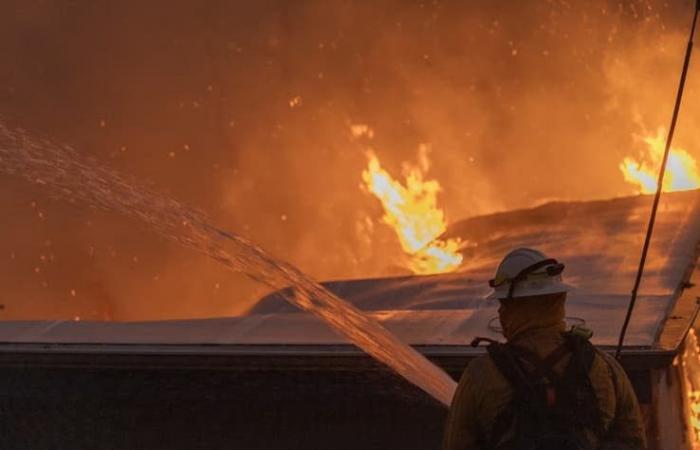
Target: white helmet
<point>525,272</point>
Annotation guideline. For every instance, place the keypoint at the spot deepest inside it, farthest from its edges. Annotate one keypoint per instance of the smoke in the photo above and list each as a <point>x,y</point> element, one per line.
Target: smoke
<point>243,109</point>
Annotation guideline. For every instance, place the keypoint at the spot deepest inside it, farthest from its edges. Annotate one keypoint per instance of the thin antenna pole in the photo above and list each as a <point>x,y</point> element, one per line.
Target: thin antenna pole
<point>659,183</point>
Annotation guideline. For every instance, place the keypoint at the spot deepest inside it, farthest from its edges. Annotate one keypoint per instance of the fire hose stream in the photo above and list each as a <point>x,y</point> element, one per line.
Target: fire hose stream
<point>67,175</point>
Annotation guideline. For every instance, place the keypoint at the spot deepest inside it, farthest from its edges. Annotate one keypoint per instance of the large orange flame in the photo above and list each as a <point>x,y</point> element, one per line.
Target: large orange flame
<point>411,210</point>
<point>681,169</point>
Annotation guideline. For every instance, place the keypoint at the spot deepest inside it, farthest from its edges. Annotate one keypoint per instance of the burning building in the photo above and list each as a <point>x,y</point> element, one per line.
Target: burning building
<point>105,338</point>
<point>280,378</point>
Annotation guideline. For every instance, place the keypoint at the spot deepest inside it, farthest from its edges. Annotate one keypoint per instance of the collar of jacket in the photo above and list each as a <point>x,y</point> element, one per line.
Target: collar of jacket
<point>537,333</point>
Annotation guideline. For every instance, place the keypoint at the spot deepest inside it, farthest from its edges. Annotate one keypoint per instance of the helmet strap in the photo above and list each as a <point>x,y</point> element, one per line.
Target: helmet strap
<point>522,275</point>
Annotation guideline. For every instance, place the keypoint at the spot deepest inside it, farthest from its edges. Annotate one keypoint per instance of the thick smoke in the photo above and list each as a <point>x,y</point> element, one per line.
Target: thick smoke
<point>243,109</point>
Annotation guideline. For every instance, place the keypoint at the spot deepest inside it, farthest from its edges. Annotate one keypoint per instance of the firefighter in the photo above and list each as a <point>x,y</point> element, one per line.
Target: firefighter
<point>546,388</point>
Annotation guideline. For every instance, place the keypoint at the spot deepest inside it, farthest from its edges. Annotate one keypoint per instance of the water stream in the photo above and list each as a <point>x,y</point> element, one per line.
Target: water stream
<point>67,175</point>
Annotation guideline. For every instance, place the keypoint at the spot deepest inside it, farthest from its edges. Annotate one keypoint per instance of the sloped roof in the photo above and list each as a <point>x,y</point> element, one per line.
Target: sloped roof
<point>600,242</point>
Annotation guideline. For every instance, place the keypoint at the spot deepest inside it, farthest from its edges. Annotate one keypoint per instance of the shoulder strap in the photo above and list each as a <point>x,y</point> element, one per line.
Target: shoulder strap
<point>581,348</point>
<point>543,368</point>
<point>577,385</point>
<point>508,366</point>
<point>527,415</point>
<point>572,408</point>
<point>509,360</point>
<point>506,363</point>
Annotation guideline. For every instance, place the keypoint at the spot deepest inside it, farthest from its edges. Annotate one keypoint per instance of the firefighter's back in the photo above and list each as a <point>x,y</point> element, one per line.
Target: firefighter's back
<point>489,399</point>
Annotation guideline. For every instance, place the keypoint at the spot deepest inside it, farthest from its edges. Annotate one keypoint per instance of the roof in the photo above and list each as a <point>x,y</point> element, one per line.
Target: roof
<point>599,241</point>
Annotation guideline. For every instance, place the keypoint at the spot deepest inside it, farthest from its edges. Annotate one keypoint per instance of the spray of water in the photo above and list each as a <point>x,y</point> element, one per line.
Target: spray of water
<point>68,176</point>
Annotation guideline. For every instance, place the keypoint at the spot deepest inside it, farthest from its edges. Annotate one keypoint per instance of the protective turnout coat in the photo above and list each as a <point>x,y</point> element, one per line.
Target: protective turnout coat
<point>483,392</point>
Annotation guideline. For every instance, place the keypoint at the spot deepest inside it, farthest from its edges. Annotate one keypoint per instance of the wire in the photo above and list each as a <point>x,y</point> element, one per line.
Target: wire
<point>659,184</point>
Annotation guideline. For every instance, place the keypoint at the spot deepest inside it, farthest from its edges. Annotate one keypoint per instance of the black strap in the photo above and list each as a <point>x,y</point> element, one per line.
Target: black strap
<point>579,382</point>
<point>543,367</point>
<point>507,363</point>
<point>509,359</point>
<point>574,397</point>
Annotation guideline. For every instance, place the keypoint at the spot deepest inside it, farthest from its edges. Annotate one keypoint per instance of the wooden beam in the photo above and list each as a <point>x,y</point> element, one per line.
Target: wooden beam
<point>675,327</point>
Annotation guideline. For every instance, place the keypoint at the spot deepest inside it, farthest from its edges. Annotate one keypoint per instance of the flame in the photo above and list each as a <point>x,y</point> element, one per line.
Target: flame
<point>690,370</point>
<point>681,169</point>
<point>411,210</point>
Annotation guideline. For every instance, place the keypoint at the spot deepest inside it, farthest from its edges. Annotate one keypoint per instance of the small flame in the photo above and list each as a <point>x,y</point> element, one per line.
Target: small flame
<point>681,170</point>
<point>690,369</point>
<point>411,210</point>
